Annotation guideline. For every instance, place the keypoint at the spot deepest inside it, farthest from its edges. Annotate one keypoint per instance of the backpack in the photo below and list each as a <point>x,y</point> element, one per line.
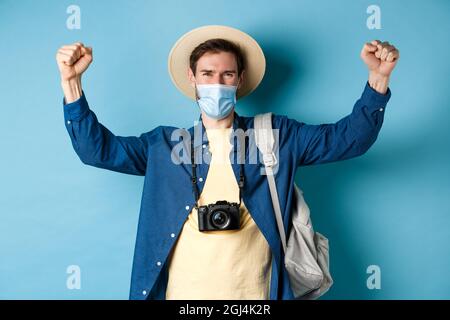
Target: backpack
<point>306,256</point>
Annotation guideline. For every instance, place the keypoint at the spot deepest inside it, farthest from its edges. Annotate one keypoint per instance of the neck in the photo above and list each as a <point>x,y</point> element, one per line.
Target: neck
<point>224,123</point>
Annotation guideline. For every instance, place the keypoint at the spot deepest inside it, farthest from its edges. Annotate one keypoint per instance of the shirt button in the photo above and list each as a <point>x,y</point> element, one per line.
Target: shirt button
<point>68,122</point>
<point>204,146</point>
<point>381,109</point>
<point>187,207</point>
<point>158,263</point>
<point>144,292</point>
<point>172,235</point>
<point>200,179</point>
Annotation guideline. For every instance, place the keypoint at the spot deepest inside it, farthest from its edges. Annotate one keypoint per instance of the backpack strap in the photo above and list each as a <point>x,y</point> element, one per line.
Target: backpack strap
<point>264,140</point>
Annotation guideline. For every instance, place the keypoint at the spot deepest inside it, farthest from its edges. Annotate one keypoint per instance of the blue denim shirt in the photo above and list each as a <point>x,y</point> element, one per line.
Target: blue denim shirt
<point>168,198</point>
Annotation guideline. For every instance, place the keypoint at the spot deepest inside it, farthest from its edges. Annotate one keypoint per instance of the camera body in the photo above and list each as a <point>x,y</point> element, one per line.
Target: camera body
<point>221,215</point>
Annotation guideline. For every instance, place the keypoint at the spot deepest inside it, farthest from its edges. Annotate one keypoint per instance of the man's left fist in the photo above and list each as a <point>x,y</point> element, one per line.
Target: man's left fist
<point>380,57</point>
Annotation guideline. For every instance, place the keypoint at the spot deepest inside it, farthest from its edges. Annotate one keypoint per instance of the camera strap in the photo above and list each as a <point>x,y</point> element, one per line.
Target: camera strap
<point>194,171</point>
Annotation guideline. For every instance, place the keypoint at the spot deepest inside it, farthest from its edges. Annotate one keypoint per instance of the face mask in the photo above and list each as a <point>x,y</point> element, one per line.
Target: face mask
<point>216,100</point>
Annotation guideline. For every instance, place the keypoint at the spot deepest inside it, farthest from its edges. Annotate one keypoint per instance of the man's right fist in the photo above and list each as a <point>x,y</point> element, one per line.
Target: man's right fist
<point>73,60</point>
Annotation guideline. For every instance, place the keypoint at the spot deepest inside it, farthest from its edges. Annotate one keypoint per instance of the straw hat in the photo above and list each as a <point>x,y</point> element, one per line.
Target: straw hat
<point>178,62</point>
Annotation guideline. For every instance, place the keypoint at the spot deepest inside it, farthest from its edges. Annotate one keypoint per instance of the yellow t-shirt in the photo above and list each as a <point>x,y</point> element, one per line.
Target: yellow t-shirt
<point>227,264</point>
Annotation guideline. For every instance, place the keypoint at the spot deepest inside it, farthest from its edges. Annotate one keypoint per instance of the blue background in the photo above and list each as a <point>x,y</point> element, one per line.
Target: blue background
<point>389,208</point>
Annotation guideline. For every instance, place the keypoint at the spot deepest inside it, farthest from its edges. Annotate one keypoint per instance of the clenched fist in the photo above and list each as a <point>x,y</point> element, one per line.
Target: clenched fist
<point>380,58</point>
<point>73,60</point>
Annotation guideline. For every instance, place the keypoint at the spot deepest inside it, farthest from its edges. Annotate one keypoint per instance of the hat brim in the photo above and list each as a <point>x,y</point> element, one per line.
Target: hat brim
<point>178,62</point>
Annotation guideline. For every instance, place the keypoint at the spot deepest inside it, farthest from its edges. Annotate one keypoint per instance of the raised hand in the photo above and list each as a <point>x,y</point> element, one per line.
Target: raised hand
<point>381,59</point>
<point>73,60</point>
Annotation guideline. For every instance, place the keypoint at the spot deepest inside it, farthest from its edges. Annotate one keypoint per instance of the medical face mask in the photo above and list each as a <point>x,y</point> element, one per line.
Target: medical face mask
<point>216,100</point>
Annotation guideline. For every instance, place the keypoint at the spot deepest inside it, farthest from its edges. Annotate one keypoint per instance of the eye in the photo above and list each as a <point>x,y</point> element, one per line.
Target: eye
<point>207,74</point>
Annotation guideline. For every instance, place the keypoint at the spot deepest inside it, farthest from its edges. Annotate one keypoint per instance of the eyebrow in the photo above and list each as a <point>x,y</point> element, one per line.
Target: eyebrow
<point>211,71</point>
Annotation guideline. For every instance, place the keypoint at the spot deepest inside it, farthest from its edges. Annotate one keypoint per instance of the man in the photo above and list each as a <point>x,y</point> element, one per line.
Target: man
<point>233,253</point>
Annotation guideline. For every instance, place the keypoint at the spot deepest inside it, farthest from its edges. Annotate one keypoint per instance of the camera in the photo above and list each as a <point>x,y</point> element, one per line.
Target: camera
<point>221,215</point>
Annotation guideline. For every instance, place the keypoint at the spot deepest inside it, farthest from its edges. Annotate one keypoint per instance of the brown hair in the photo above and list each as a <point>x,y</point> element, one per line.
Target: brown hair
<point>215,46</point>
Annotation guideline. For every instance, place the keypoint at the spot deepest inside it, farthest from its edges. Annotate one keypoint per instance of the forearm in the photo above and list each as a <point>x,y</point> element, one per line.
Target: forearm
<point>379,83</point>
<point>347,138</point>
<point>97,146</point>
<point>72,89</point>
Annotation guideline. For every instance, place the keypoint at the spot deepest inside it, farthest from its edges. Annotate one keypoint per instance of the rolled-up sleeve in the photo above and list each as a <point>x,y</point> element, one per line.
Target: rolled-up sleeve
<point>349,137</point>
<point>97,146</point>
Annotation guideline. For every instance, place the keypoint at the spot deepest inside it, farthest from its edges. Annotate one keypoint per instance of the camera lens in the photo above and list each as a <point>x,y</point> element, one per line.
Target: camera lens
<point>220,219</point>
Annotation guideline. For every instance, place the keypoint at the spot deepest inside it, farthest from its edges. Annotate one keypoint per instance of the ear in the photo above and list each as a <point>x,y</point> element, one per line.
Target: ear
<point>241,79</point>
<point>191,77</point>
